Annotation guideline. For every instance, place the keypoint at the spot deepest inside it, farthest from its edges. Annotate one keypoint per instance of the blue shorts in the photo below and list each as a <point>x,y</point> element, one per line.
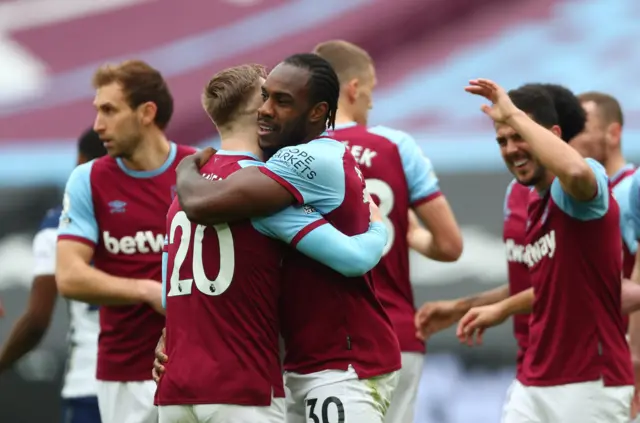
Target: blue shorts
<point>80,410</point>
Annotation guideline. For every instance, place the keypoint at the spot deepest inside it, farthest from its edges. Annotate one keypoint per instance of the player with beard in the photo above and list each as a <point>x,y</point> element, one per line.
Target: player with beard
<point>227,369</point>
<point>439,315</point>
<point>577,350</point>
<point>401,179</point>
<point>336,367</point>
<point>601,140</point>
<point>114,217</point>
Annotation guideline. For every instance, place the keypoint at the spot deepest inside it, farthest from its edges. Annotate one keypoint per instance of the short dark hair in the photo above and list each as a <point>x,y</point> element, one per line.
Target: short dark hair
<point>571,114</point>
<point>140,83</point>
<point>324,85</point>
<point>536,102</point>
<point>229,90</point>
<point>90,145</point>
<point>608,107</point>
<point>347,59</point>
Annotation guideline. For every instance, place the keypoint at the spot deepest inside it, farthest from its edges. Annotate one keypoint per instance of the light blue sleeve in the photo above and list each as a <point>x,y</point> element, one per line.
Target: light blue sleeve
<point>313,173</point>
<point>306,230</point>
<point>621,192</point>
<point>634,204</point>
<point>584,210</point>
<point>78,219</point>
<point>165,262</point>
<point>421,178</point>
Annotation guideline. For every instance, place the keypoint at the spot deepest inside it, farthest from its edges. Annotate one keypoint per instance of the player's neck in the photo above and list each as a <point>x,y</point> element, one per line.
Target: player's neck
<point>344,115</point>
<point>545,183</point>
<point>614,163</point>
<point>241,138</point>
<point>151,154</point>
<point>344,118</point>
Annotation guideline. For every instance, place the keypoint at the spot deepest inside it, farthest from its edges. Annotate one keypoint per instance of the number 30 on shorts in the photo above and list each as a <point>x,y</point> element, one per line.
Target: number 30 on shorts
<point>330,411</point>
<point>227,260</point>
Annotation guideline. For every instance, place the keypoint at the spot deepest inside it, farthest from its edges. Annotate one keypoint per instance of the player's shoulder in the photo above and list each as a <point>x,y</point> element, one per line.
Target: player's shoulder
<point>623,185</point>
<point>82,173</point>
<point>51,218</point>
<point>596,166</point>
<point>230,161</point>
<point>394,136</point>
<point>184,150</point>
<point>100,165</point>
<point>319,150</point>
<point>635,177</point>
<point>516,190</point>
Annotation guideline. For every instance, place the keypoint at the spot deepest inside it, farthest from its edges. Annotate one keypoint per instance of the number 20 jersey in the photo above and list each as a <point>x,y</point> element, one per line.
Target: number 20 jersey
<point>398,176</point>
<point>223,287</point>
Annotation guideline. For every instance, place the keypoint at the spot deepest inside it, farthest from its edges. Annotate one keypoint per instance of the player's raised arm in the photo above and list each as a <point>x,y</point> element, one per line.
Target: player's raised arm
<point>442,240</point>
<point>575,174</point>
<point>32,325</point>
<point>77,238</point>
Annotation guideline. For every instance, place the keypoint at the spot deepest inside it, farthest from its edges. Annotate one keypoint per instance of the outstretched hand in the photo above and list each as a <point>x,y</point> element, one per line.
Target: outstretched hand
<point>161,358</point>
<point>501,108</point>
<point>473,324</point>
<point>435,316</point>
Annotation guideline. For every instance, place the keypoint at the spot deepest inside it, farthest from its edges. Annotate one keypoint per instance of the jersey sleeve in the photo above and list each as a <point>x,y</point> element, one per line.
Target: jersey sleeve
<point>305,229</point>
<point>621,194</point>
<point>634,204</point>
<point>44,252</point>
<point>584,210</point>
<point>78,221</point>
<point>421,178</point>
<point>313,173</point>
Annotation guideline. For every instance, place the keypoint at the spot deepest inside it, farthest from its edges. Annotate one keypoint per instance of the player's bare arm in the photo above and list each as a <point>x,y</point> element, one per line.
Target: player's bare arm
<point>574,173</point>
<point>245,194</point>
<point>31,327</point>
<point>436,316</point>
<point>442,241</point>
<point>78,280</point>
<point>476,320</point>
<point>630,296</point>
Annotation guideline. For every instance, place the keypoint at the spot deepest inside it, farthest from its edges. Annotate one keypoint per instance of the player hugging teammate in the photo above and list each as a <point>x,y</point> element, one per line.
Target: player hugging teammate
<point>277,233</point>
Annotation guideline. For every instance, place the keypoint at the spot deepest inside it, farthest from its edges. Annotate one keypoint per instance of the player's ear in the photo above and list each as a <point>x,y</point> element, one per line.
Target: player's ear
<point>613,133</point>
<point>147,112</point>
<point>351,90</point>
<point>319,112</point>
<point>557,131</point>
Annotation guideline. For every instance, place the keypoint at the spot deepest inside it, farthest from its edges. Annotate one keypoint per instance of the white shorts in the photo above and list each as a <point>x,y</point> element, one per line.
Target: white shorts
<point>338,396</point>
<point>586,402</point>
<point>403,402</point>
<point>127,402</point>
<point>223,413</point>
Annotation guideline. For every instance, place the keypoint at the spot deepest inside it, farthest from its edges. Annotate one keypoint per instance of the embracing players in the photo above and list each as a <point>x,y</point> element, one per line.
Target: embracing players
<point>79,402</point>
<point>336,366</point>
<point>400,178</point>
<point>111,233</point>
<point>226,368</point>
<point>577,349</point>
